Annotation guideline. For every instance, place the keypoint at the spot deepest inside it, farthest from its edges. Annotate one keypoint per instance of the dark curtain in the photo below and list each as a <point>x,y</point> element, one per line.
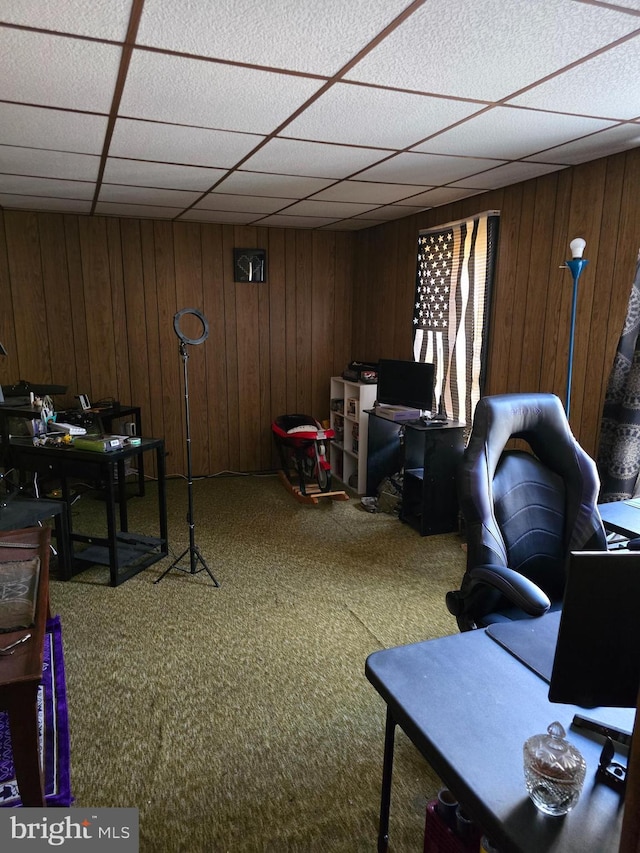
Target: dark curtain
<point>619,451</point>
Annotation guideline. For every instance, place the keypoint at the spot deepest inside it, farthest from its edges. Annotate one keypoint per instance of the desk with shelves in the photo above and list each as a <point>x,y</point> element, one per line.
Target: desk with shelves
<point>428,455</point>
<point>124,552</point>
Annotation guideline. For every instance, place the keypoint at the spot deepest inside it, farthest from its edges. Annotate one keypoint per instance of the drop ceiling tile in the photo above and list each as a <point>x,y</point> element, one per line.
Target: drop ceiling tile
<point>318,41</point>
<point>242,203</point>
<point>512,173</point>
<point>355,115</point>
<point>147,195</point>
<point>209,94</point>
<point>606,85</point>
<point>368,191</point>
<point>313,159</point>
<point>146,140</point>
<point>280,220</point>
<point>22,185</point>
<point>222,217</point>
<point>48,164</point>
<point>620,138</point>
<point>526,41</point>
<point>77,74</point>
<point>390,212</point>
<point>425,169</point>
<point>28,202</point>
<point>508,133</point>
<point>438,196</point>
<point>329,209</point>
<point>105,19</point>
<point>146,174</point>
<point>350,225</point>
<point>38,127</point>
<point>142,211</point>
<point>261,183</point>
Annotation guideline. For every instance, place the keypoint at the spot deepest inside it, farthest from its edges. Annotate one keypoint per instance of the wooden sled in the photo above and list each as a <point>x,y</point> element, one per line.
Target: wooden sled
<point>313,492</point>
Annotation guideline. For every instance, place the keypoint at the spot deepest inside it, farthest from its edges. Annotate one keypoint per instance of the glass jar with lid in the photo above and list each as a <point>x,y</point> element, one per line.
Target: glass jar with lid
<point>554,771</point>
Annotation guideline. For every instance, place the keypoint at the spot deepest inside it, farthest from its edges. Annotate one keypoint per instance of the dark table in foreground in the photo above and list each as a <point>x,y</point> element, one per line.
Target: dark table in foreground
<point>125,553</point>
<point>469,705</point>
<point>21,672</point>
<point>28,512</point>
<point>622,517</point>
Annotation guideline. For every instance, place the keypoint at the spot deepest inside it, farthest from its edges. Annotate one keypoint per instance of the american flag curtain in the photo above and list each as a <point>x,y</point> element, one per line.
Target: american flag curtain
<point>453,290</point>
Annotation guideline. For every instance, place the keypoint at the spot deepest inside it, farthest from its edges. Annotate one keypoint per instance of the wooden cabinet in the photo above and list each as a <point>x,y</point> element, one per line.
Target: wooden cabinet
<point>349,420</point>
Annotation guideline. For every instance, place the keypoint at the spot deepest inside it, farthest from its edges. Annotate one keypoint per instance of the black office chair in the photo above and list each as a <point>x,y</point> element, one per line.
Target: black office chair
<point>523,512</point>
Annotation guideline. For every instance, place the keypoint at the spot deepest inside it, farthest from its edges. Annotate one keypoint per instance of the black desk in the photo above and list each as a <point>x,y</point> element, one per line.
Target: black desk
<point>124,552</point>
<point>621,517</point>
<point>25,512</point>
<point>468,705</point>
<point>429,455</point>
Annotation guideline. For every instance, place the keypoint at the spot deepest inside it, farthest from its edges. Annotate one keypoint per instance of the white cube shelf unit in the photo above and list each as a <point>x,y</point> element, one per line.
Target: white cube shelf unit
<point>350,421</point>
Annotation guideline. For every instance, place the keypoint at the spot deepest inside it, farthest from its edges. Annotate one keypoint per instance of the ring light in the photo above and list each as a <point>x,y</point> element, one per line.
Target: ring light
<point>176,325</point>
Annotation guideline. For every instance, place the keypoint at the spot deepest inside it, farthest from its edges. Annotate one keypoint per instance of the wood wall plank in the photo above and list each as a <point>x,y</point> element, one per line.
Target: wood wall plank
<point>113,287</point>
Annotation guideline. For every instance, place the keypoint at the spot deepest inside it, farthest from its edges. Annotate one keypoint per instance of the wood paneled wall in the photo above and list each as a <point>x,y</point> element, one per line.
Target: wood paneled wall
<point>88,302</point>
<point>531,305</point>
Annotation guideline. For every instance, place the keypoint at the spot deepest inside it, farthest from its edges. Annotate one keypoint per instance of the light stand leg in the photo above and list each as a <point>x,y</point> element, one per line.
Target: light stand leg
<point>195,557</point>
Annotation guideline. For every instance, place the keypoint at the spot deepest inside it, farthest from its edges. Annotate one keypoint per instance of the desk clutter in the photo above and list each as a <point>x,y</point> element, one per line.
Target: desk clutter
<point>447,828</point>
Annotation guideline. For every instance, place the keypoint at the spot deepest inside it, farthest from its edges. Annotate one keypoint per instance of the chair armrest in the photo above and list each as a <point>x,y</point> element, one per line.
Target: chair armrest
<point>520,591</point>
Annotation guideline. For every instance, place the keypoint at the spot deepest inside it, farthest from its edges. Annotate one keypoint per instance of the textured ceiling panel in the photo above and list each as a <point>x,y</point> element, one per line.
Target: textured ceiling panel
<point>426,169</point>
<point>357,114</point>
<point>172,143</point>
<point>281,186</point>
<point>513,133</point>
<point>147,195</point>
<point>512,173</point>
<point>208,94</point>
<point>144,174</point>
<point>31,202</point>
<point>305,114</point>
<point>106,19</point>
<point>243,203</point>
<point>290,157</point>
<point>365,191</point>
<point>606,85</point>
<point>528,40</point>
<point>320,38</point>
<point>56,129</point>
<point>77,75</point>
<point>48,164</point>
<point>25,185</point>
<point>619,138</point>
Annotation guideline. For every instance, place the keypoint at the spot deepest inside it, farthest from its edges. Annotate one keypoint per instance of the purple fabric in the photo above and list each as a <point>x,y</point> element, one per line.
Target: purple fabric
<point>53,724</point>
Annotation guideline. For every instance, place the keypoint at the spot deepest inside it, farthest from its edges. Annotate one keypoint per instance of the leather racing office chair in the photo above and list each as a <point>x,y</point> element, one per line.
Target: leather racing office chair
<point>524,513</point>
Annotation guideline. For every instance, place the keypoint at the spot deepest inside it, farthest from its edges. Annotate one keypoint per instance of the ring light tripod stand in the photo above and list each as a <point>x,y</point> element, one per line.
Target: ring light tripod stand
<point>195,557</point>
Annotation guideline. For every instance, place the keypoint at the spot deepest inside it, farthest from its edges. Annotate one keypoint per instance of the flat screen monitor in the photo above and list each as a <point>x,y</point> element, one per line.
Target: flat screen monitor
<point>405,383</point>
<point>597,657</point>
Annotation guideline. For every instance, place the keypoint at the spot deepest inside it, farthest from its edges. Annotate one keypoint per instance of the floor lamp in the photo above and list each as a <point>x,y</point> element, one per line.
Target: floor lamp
<point>575,266</point>
<point>195,557</point>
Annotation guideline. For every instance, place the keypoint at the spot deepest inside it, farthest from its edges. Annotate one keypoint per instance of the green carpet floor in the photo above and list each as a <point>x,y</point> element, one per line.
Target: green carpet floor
<point>239,719</point>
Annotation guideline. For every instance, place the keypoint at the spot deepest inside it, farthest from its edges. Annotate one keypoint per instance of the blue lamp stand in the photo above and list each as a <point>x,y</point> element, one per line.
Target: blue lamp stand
<point>575,266</point>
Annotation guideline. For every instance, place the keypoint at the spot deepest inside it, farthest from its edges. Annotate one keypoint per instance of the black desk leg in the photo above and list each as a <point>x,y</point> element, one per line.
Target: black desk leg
<point>111,524</point>
<point>387,771</point>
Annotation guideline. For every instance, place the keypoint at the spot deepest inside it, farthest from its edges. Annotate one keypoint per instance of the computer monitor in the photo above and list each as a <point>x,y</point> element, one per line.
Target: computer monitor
<point>597,657</point>
<point>405,383</point>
